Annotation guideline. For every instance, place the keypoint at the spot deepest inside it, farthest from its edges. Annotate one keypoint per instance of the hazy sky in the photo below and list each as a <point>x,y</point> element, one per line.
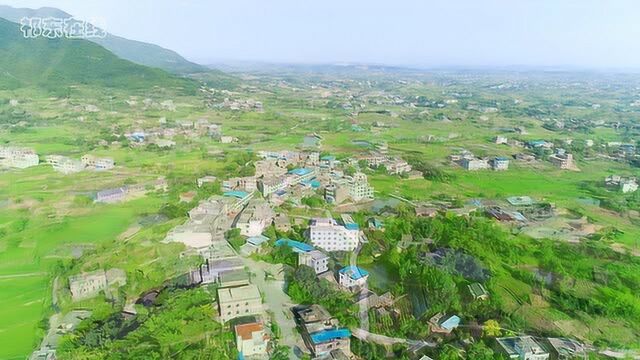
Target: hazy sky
<point>585,33</point>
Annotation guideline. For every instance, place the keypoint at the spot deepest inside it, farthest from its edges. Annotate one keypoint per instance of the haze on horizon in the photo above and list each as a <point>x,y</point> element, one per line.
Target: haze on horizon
<point>490,33</point>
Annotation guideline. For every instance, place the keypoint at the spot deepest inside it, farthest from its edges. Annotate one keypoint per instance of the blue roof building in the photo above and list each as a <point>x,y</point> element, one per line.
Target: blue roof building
<point>330,335</point>
<point>257,240</point>
<point>350,276</point>
<point>451,323</point>
<point>300,171</point>
<point>296,246</point>
<point>236,194</point>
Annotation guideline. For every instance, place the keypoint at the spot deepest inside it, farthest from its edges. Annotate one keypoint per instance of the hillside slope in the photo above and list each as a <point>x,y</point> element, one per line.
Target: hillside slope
<point>58,63</point>
<point>135,51</point>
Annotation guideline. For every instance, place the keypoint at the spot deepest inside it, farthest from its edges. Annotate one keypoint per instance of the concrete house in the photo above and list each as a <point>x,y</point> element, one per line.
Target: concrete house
<point>474,164</point>
<point>110,196</point>
<point>352,276</point>
<point>321,332</point>
<point>256,216</point>
<point>500,163</point>
<point>329,235</point>
<point>239,301</point>
<point>252,340</point>
<point>562,160</point>
<point>444,324</point>
<point>522,348</point>
<point>96,163</point>
<point>88,285</point>
<point>64,164</point>
<point>314,259</point>
<point>20,158</point>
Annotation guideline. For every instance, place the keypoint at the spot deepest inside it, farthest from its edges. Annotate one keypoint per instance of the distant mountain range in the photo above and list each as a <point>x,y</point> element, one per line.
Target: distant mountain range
<point>55,64</point>
<point>135,51</point>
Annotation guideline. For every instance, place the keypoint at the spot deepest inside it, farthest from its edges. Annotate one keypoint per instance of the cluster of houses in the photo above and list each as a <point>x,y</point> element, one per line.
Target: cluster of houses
<point>18,157</point>
<point>21,158</point>
<point>379,158</point>
<point>292,175</point>
<point>162,136</point>
<point>123,193</point>
<point>67,165</point>
<point>624,184</point>
<point>240,104</point>
<point>471,162</point>
<point>209,220</point>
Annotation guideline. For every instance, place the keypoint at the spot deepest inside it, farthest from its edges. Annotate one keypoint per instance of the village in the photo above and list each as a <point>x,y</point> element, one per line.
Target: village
<point>242,234</point>
<point>346,237</point>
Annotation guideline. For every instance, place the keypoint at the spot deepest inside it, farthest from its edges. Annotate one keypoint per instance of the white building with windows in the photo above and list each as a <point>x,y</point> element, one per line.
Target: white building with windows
<point>239,301</point>
<point>15,157</point>
<point>315,259</point>
<point>97,163</point>
<point>252,340</point>
<point>64,164</point>
<point>328,235</point>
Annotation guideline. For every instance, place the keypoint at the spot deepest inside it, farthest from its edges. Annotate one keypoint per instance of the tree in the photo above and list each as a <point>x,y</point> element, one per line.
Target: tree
<point>449,353</point>
<point>480,351</point>
<point>492,328</point>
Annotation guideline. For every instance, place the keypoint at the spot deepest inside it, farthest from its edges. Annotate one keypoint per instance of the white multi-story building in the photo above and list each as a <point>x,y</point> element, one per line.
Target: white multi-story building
<point>239,301</point>
<point>359,187</point>
<point>314,259</point>
<point>252,340</point>
<point>356,188</point>
<point>15,157</point>
<point>475,164</point>
<point>97,163</point>
<point>522,348</point>
<point>271,185</point>
<point>327,234</point>
<point>64,164</point>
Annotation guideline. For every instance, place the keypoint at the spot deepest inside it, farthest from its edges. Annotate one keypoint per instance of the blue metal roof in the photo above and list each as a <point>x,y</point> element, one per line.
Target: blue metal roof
<point>354,272</point>
<point>257,240</point>
<point>328,158</point>
<point>300,171</point>
<point>451,323</point>
<point>329,335</point>
<point>296,246</point>
<point>352,226</point>
<point>236,194</point>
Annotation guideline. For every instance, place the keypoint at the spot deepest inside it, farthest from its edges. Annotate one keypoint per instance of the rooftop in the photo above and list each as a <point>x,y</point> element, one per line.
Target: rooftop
<point>450,323</point>
<point>236,194</point>
<point>296,246</point>
<point>330,335</point>
<point>300,171</point>
<point>257,240</point>
<point>238,293</point>
<point>245,331</point>
<point>520,200</point>
<point>354,272</point>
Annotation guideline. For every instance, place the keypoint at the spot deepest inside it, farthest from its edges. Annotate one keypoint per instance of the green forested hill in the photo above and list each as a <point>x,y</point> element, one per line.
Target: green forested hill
<point>136,51</point>
<point>56,64</point>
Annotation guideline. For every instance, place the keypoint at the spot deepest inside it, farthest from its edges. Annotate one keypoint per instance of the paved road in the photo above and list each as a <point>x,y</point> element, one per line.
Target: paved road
<point>276,301</point>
